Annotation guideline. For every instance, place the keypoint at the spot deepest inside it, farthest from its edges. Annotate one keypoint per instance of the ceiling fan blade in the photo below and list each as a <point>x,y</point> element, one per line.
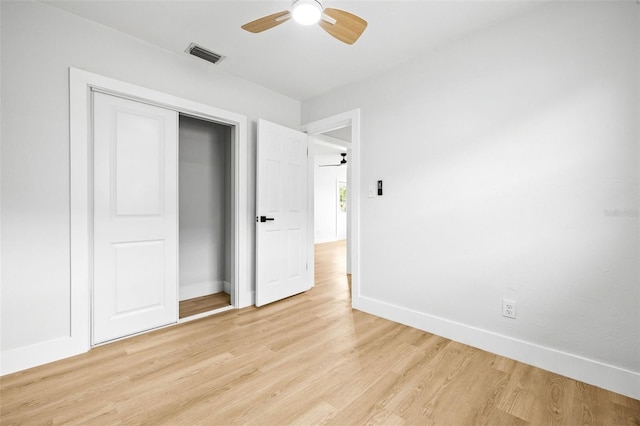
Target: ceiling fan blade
<point>267,22</point>
<point>342,162</point>
<point>347,27</point>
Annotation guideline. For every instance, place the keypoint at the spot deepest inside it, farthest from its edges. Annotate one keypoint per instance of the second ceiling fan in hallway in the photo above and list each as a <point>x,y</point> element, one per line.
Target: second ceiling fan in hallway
<point>342,162</point>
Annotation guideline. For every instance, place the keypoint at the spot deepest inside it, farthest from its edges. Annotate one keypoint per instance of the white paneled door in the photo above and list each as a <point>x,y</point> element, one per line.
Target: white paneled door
<point>135,217</point>
<point>281,234</point>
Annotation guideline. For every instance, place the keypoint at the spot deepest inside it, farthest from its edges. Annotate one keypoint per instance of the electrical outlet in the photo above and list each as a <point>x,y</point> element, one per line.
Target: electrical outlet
<point>509,308</point>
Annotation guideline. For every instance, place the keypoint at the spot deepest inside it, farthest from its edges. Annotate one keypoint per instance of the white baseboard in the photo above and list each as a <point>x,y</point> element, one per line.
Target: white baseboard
<point>18,359</point>
<point>606,376</point>
<point>205,288</point>
<point>29,356</point>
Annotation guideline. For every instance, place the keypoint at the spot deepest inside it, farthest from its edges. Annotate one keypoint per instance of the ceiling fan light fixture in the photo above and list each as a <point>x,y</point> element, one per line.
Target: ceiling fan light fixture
<point>343,26</point>
<point>306,12</point>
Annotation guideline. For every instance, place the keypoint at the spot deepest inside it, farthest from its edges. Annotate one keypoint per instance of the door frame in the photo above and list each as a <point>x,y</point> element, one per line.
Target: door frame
<point>339,121</point>
<point>81,86</point>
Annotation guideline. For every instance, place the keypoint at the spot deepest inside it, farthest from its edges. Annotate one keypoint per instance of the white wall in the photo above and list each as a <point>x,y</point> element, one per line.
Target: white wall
<point>327,227</point>
<point>503,155</point>
<point>205,150</point>
<point>39,44</point>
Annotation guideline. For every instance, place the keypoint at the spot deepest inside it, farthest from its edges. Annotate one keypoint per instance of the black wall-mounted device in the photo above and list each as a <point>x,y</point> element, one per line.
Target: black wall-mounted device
<point>379,187</point>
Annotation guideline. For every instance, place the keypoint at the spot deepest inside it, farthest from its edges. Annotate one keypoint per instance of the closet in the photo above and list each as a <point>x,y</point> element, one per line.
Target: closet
<point>204,229</point>
<point>162,217</point>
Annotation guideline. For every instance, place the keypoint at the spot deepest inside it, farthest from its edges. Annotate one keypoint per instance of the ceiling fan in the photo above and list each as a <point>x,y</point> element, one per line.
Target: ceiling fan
<point>342,162</point>
<point>342,25</point>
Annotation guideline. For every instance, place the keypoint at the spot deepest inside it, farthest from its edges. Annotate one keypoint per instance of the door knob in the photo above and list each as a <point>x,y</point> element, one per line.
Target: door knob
<point>264,218</point>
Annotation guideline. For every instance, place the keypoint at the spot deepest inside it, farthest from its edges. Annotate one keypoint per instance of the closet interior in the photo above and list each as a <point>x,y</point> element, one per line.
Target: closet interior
<point>205,216</point>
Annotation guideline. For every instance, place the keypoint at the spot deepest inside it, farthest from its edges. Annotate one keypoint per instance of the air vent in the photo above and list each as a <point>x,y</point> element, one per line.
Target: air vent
<point>203,53</point>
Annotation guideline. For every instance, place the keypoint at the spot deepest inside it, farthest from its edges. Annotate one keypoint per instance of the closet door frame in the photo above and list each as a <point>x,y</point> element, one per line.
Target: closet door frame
<point>82,85</point>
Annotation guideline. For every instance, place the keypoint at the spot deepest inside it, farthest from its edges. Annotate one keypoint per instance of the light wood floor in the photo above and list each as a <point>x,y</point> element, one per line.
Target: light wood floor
<point>309,359</point>
<point>202,304</point>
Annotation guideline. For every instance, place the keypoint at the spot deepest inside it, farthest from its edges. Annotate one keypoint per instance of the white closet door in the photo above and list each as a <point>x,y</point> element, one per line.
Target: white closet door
<point>281,234</point>
<point>135,217</point>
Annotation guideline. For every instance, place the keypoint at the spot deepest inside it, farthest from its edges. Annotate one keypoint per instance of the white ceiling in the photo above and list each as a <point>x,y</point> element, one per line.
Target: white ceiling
<point>300,62</point>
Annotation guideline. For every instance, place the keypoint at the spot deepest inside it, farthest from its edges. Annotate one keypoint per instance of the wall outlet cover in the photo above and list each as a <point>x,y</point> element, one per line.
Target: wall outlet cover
<point>509,308</point>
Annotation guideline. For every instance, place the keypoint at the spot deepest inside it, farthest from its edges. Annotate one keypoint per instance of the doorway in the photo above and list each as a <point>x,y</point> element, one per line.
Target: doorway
<point>345,127</point>
<point>294,262</point>
<point>205,216</point>
<point>330,192</point>
<point>331,200</point>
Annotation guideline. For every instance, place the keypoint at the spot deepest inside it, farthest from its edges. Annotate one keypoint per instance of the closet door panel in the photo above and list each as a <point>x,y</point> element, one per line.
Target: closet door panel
<point>135,217</point>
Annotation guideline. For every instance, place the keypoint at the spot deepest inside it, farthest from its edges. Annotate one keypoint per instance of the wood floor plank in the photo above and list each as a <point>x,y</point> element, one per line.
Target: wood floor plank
<point>203,304</point>
<point>309,359</point>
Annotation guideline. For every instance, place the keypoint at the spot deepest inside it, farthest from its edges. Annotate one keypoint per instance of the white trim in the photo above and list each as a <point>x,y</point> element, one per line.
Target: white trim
<point>81,83</point>
<point>205,314</point>
<point>40,353</point>
<point>339,121</point>
<point>311,203</point>
<point>585,370</point>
